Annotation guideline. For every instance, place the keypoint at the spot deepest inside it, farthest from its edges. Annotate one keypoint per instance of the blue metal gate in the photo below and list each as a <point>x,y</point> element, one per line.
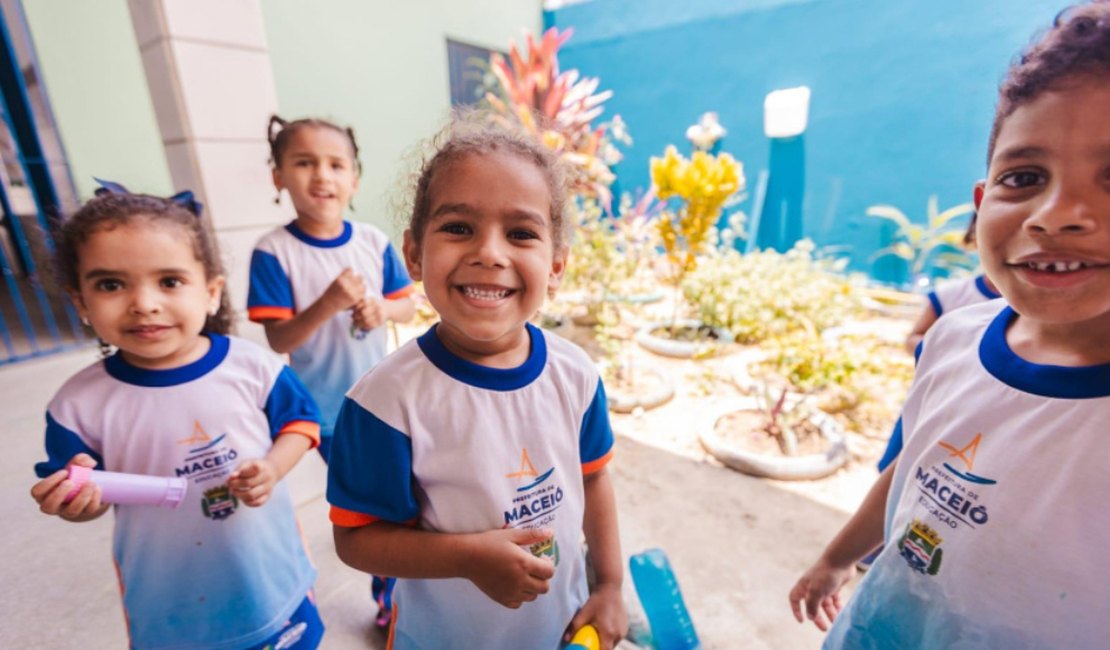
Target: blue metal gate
<point>36,317</point>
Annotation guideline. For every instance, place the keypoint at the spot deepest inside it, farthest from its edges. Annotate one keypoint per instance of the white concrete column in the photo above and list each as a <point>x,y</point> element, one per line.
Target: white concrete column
<point>212,86</point>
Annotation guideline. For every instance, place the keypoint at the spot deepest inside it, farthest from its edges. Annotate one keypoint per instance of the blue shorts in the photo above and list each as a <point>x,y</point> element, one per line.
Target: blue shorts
<point>302,631</point>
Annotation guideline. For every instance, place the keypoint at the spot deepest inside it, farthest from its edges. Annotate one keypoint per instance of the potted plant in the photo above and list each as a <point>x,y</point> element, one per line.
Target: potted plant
<point>777,434</point>
<point>925,249</point>
<point>629,386</point>
<point>766,294</point>
<point>637,239</point>
<point>696,191</point>
<point>608,258</point>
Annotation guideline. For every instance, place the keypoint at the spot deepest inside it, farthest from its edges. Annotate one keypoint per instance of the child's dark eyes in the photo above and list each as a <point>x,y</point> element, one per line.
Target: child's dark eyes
<point>108,285</point>
<point>455,228</point>
<point>172,282</point>
<point>1021,178</point>
<point>523,234</point>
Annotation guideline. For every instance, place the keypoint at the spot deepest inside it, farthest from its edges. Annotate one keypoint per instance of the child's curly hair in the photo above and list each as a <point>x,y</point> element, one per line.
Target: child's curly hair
<point>110,210</point>
<point>475,132</point>
<point>1077,45</point>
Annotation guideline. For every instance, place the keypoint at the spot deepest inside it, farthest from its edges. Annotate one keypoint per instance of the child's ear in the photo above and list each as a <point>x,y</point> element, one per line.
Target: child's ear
<point>215,292</point>
<point>275,174</point>
<point>79,305</point>
<point>977,193</point>
<point>558,267</point>
<point>411,251</point>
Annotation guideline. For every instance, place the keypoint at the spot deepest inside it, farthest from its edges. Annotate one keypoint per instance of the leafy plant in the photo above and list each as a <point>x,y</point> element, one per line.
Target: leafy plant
<point>697,190</point>
<point>560,108</point>
<point>787,418</point>
<point>810,363</point>
<point>767,294</point>
<point>610,254</point>
<point>706,133</point>
<point>934,245</point>
<point>857,378</point>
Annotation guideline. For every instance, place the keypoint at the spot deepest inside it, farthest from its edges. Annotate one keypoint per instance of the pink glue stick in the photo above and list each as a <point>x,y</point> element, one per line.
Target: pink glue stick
<point>130,489</point>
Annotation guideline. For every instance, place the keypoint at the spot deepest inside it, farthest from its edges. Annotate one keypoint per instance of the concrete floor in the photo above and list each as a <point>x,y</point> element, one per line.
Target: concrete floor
<point>736,543</point>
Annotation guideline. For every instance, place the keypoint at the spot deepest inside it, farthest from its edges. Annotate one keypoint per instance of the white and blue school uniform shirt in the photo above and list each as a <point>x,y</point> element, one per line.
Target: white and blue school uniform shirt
<point>948,297</point>
<point>211,573</point>
<point>996,526</point>
<point>952,295</point>
<point>449,446</point>
<point>290,270</point>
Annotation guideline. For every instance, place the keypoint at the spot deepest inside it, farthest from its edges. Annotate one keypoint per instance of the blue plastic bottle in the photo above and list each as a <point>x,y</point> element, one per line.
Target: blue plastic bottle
<point>671,627</point>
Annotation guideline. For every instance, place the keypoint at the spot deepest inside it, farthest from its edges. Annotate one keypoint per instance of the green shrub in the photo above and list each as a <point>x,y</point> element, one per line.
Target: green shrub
<point>766,294</point>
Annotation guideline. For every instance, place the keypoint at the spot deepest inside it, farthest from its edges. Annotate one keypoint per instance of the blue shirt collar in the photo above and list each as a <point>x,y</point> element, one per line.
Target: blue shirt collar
<point>981,285</point>
<point>343,238</point>
<point>129,374</point>
<point>1061,382</point>
<point>500,379</point>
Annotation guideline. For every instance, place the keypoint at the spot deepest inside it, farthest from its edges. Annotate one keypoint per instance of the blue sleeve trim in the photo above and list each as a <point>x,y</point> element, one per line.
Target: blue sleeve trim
<point>394,275</point>
<point>934,300</point>
<point>289,401</point>
<point>370,469</point>
<point>595,438</point>
<point>893,446</point>
<point>61,445</point>
<point>269,285</point>
<point>918,350</point>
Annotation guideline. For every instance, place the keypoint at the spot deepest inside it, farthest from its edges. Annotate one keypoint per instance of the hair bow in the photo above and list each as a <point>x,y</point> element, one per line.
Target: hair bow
<point>183,198</point>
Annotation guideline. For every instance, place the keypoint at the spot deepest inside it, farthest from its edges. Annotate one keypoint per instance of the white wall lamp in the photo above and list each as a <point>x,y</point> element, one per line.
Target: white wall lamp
<point>786,112</point>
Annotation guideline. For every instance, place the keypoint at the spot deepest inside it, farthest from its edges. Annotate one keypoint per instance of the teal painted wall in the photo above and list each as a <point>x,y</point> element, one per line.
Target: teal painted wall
<point>94,77</point>
<point>903,92</point>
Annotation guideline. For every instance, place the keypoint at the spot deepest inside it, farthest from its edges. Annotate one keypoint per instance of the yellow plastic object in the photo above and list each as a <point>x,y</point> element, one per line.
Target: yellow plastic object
<point>585,638</point>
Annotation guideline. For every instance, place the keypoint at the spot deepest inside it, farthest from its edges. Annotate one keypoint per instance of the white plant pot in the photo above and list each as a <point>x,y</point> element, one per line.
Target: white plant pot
<point>681,349</point>
<point>622,403</point>
<point>777,466</point>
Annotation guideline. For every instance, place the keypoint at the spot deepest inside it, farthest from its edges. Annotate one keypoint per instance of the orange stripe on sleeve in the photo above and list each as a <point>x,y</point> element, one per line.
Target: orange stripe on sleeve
<point>597,465</point>
<point>349,518</point>
<point>307,428</point>
<point>392,628</point>
<point>403,292</point>
<point>258,314</point>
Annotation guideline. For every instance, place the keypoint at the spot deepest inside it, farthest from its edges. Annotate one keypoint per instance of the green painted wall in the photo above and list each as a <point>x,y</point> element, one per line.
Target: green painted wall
<point>381,68</point>
<point>382,71</point>
<point>94,77</point>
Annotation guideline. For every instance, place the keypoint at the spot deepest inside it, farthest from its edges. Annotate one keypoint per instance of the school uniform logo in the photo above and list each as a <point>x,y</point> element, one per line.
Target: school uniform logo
<point>200,437</point>
<point>953,496</point>
<point>535,505</point>
<point>219,503</point>
<point>966,455</point>
<point>209,460</point>
<point>919,546</point>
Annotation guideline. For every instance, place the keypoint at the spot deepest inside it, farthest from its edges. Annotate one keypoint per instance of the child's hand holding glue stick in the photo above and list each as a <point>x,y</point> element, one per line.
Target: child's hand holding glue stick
<point>58,495</point>
<point>129,489</point>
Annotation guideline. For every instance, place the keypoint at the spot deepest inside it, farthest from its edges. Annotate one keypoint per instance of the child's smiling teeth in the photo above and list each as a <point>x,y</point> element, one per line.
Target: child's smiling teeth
<point>485,293</point>
<point>1056,267</point>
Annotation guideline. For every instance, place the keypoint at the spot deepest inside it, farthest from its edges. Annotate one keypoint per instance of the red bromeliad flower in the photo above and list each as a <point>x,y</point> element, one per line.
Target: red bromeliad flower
<point>560,107</point>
